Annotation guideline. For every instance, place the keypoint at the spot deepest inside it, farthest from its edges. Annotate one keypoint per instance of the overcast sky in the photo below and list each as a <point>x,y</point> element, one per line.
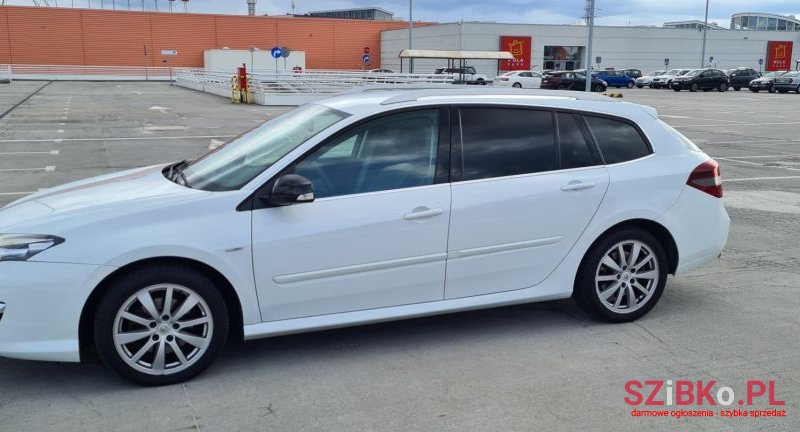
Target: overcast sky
<point>610,12</point>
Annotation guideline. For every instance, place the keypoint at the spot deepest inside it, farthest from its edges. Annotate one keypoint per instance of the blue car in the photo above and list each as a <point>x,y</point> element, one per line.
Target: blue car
<point>616,79</point>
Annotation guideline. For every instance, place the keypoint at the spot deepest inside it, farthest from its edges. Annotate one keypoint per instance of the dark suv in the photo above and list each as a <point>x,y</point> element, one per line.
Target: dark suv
<point>701,79</point>
<point>571,80</point>
<point>740,77</point>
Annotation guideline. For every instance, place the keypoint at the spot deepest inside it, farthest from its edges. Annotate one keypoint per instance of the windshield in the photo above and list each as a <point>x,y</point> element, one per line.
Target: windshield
<point>656,73</point>
<point>233,165</point>
<point>694,72</point>
<point>673,72</point>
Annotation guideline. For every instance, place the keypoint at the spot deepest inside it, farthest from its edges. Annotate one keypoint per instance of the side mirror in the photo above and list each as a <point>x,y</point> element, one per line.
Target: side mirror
<point>291,189</point>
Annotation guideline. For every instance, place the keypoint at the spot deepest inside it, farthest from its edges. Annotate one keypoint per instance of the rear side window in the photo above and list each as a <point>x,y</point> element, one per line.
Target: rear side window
<point>618,141</point>
<point>574,145</point>
<point>500,142</point>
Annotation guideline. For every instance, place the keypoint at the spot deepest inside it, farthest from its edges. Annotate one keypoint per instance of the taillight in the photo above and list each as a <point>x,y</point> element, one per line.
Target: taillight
<point>706,177</point>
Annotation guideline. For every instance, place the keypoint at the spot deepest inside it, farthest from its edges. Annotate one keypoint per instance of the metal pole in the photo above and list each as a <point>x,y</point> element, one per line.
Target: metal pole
<point>410,35</point>
<point>590,17</point>
<point>705,32</point>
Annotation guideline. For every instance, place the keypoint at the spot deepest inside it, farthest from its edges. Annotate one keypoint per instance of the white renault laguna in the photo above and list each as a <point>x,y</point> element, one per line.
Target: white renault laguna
<point>361,208</point>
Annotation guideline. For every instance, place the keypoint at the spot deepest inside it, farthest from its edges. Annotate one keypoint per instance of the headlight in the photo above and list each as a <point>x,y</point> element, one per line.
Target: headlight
<point>21,247</point>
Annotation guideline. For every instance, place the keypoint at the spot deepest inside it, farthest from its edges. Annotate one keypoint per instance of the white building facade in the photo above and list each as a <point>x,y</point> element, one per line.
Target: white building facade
<point>563,46</point>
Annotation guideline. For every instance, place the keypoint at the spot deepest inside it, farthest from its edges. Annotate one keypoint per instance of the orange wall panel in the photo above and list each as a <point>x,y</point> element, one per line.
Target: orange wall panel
<point>39,35</point>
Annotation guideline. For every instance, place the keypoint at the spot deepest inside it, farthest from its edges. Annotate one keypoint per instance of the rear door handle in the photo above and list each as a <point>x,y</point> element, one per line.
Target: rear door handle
<point>577,185</point>
<point>423,213</point>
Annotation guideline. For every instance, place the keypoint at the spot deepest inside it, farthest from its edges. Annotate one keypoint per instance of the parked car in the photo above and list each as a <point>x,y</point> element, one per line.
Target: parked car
<point>519,79</point>
<point>647,80</point>
<point>385,71</point>
<point>465,75</point>
<point>634,73</point>
<point>766,82</point>
<point>701,79</point>
<point>665,80</point>
<point>615,78</point>
<point>741,77</point>
<point>571,80</point>
<point>790,81</point>
<point>347,211</point>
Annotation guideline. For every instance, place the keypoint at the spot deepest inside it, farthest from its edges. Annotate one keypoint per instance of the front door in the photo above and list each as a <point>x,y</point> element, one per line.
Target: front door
<point>376,236</point>
<point>525,195</point>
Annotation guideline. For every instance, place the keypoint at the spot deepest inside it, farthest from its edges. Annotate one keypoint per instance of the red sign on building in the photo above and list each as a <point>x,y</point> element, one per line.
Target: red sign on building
<point>779,55</point>
<point>520,48</point>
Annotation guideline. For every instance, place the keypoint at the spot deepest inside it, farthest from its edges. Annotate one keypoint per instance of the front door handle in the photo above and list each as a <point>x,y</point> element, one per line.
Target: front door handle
<point>577,185</point>
<point>423,213</point>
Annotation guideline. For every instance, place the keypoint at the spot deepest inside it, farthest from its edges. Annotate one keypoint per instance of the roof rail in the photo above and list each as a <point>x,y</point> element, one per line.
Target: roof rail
<point>416,94</point>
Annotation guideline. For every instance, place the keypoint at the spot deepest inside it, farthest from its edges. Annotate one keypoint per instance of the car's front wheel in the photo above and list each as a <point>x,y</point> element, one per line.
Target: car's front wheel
<point>695,87</point>
<point>161,325</point>
<point>630,84</point>
<point>517,85</point>
<point>722,87</point>
<point>622,276</point>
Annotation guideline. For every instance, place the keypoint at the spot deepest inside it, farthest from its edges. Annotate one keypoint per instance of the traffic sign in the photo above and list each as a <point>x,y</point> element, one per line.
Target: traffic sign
<point>366,50</point>
<point>760,62</point>
<point>666,62</point>
<point>598,59</point>
<point>365,58</point>
<point>276,53</point>
<point>285,52</point>
<point>169,52</point>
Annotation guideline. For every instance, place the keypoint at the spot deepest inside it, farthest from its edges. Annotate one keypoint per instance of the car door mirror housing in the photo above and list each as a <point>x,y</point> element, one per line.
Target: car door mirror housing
<point>291,189</point>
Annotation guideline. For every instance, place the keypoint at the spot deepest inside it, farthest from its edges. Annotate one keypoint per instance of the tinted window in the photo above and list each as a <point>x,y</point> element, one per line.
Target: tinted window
<point>505,141</point>
<point>574,145</point>
<point>618,141</point>
<point>392,152</point>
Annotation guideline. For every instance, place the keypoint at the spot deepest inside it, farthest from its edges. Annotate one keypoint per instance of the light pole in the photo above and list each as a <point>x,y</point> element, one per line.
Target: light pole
<point>705,32</point>
<point>410,37</point>
<point>252,59</point>
<point>590,18</point>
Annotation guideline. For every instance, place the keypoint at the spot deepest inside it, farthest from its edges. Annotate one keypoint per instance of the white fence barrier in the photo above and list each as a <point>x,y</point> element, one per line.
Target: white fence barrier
<point>5,73</point>
<point>296,88</point>
<point>90,73</point>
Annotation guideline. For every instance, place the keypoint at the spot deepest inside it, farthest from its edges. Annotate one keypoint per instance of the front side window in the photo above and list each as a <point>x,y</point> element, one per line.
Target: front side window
<point>392,152</point>
<point>618,141</point>
<point>500,142</point>
<point>233,165</point>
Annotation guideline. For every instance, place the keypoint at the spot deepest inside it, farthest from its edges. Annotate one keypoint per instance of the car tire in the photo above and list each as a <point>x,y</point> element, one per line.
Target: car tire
<point>517,85</point>
<point>598,88</point>
<point>722,87</point>
<point>694,87</point>
<point>677,89</point>
<point>737,88</point>
<point>481,81</point>
<point>754,90</point>
<point>630,84</point>
<point>153,341</point>
<point>797,90</point>
<point>600,289</point>
<point>639,85</point>
<point>771,89</point>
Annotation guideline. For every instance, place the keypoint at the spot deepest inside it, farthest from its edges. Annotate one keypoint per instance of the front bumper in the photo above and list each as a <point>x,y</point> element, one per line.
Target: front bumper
<point>683,85</point>
<point>43,305</point>
<point>760,85</point>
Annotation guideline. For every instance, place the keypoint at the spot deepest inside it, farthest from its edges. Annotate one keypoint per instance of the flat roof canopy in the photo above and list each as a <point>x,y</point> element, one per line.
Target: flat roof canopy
<point>438,54</point>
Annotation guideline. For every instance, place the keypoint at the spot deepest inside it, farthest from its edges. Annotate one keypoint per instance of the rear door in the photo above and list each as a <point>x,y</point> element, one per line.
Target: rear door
<point>526,183</point>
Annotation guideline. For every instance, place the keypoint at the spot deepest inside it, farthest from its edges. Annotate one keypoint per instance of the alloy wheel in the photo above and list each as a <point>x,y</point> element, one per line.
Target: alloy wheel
<point>163,329</point>
<point>627,276</point>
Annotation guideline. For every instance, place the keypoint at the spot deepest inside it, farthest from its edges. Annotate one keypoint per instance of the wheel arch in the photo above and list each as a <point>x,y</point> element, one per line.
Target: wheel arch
<point>660,232</point>
<point>232,301</point>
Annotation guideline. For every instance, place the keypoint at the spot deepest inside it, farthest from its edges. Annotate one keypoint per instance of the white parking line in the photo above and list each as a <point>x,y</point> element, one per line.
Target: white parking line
<point>49,168</point>
<point>51,152</point>
<point>118,139</point>
<point>760,178</point>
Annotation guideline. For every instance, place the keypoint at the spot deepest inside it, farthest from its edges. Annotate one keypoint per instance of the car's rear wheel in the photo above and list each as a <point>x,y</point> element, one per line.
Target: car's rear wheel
<point>161,325</point>
<point>481,81</point>
<point>677,89</point>
<point>694,87</point>
<point>737,88</point>
<point>722,87</point>
<point>517,85</point>
<point>630,84</point>
<point>754,90</point>
<point>622,276</point>
<point>598,88</point>
<point>797,90</point>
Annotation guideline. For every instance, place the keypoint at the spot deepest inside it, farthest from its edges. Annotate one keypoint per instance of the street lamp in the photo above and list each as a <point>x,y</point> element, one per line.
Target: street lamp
<point>410,30</point>
<point>705,32</point>
<point>590,22</point>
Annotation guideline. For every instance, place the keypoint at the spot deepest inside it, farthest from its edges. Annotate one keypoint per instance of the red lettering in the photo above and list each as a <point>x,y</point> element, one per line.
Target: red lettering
<point>637,397</point>
<point>651,400</point>
<point>772,400</point>
<point>752,393</point>
<point>684,393</point>
<point>705,393</point>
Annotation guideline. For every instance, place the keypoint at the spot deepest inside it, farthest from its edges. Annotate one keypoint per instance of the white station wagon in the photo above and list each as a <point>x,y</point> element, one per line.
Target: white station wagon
<point>365,207</point>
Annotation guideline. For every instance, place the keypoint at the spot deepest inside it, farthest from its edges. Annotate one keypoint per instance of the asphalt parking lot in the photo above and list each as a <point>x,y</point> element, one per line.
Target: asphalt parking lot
<point>544,367</point>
